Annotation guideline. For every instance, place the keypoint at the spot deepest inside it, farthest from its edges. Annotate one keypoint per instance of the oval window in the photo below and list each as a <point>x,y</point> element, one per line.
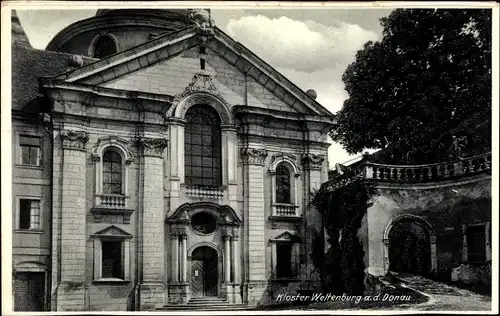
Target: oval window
<point>204,223</point>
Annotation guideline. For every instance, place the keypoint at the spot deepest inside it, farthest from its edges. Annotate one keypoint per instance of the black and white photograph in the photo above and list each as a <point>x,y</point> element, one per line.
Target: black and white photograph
<point>249,157</point>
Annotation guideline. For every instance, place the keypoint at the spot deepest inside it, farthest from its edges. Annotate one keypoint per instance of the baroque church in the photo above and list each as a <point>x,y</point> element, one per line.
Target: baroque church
<point>157,162</point>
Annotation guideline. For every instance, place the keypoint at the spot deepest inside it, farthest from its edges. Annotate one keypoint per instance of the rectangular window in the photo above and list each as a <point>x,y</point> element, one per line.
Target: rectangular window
<point>112,264</point>
<point>29,214</point>
<point>284,257</point>
<point>476,244</point>
<point>30,150</point>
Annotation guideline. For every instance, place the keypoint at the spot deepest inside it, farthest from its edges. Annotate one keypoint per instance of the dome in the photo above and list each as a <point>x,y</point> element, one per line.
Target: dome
<point>127,28</point>
<point>180,14</point>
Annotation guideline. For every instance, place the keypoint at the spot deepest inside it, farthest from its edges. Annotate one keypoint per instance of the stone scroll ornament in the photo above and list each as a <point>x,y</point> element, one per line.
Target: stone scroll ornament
<point>74,139</point>
<point>201,82</point>
<point>253,156</point>
<point>153,146</point>
<point>313,161</point>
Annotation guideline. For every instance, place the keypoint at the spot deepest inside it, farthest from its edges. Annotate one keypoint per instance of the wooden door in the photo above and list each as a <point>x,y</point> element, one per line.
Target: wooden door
<point>197,278</point>
<point>29,291</point>
<point>211,276</point>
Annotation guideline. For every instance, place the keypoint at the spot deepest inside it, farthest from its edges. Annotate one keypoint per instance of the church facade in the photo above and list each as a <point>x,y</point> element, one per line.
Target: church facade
<point>157,161</point>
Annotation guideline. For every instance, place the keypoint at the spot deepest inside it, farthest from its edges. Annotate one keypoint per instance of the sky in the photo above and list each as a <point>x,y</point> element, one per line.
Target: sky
<point>311,47</point>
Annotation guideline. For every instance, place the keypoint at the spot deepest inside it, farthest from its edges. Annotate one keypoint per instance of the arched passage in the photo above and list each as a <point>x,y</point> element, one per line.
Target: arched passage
<point>410,246</point>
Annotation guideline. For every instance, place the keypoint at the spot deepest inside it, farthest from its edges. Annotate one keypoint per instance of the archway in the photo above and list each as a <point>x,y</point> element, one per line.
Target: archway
<point>410,246</point>
<point>204,272</point>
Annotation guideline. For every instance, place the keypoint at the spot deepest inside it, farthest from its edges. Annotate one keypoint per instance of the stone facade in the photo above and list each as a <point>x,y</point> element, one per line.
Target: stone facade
<point>136,107</point>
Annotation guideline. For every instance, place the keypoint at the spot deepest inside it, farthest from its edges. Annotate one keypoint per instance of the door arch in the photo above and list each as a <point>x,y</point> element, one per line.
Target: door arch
<point>204,271</point>
<point>410,246</point>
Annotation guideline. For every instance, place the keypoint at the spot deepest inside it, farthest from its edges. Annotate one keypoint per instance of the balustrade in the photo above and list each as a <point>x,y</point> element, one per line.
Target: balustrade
<point>285,210</point>
<point>205,192</point>
<point>111,200</point>
<point>412,173</point>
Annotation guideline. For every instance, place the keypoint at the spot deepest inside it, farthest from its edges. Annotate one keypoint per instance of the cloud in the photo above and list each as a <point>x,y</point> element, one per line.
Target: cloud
<point>302,45</point>
<point>310,54</point>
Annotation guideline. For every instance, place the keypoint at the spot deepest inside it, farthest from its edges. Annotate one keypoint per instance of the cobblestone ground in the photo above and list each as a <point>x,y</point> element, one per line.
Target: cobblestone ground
<point>444,297</point>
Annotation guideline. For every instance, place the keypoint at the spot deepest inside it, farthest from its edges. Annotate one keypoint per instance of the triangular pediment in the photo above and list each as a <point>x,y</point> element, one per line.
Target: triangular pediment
<point>168,65</point>
<point>286,237</point>
<point>112,231</point>
<point>224,213</point>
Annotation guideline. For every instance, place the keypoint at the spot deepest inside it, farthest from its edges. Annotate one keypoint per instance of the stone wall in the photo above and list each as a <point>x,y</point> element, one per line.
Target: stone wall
<point>445,206</point>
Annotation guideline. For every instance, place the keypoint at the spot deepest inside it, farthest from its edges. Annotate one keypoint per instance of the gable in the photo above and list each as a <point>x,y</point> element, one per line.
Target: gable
<point>286,237</point>
<point>112,231</point>
<point>170,61</point>
<point>172,76</point>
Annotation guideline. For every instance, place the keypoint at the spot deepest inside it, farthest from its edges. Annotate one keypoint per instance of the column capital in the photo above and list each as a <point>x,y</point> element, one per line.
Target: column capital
<point>76,140</point>
<point>253,156</point>
<point>174,235</point>
<point>312,161</point>
<point>235,238</point>
<point>183,235</point>
<point>153,147</point>
<point>226,237</point>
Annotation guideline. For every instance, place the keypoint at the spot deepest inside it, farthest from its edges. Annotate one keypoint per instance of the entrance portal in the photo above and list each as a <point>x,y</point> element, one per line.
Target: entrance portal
<point>409,248</point>
<point>204,276</point>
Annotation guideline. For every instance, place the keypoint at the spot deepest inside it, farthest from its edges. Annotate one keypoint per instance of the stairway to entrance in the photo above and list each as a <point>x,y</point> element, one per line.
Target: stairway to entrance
<point>205,304</point>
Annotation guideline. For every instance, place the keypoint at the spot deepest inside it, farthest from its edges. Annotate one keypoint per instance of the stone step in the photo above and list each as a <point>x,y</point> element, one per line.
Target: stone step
<point>205,307</point>
<point>215,299</point>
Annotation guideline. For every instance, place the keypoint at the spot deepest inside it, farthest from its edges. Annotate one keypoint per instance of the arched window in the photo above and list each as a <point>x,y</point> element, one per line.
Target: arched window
<point>112,173</point>
<point>283,185</point>
<point>202,147</point>
<point>104,46</point>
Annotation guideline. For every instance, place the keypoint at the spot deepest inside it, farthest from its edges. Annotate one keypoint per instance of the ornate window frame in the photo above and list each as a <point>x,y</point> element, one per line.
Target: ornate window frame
<point>202,90</point>
<point>120,146</point>
<point>285,210</point>
<point>294,241</point>
<point>111,233</point>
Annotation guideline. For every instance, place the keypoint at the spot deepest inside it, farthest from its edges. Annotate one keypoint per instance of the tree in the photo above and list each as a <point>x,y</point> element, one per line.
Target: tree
<point>428,79</point>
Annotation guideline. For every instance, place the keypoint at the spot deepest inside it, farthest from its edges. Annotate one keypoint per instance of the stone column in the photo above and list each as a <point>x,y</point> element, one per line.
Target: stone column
<point>72,194</point>
<point>254,223</point>
<point>235,254</point>
<point>183,257</point>
<point>174,239</point>
<point>227,259</point>
<point>152,223</point>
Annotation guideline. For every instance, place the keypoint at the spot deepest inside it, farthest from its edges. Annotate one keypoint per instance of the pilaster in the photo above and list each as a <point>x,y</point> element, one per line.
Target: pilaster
<point>313,167</point>
<point>72,218</point>
<point>152,285</point>
<point>176,158</point>
<point>254,223</point>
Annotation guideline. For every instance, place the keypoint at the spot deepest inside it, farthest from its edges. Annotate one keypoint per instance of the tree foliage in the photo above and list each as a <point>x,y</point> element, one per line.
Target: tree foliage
<point>342,267</point>
<point>428,79</point>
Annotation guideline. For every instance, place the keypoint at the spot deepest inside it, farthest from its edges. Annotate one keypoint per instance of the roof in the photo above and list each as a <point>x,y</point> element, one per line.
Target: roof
<point>28,65</point>
<point>172,44</point>
<point>19,37</point>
